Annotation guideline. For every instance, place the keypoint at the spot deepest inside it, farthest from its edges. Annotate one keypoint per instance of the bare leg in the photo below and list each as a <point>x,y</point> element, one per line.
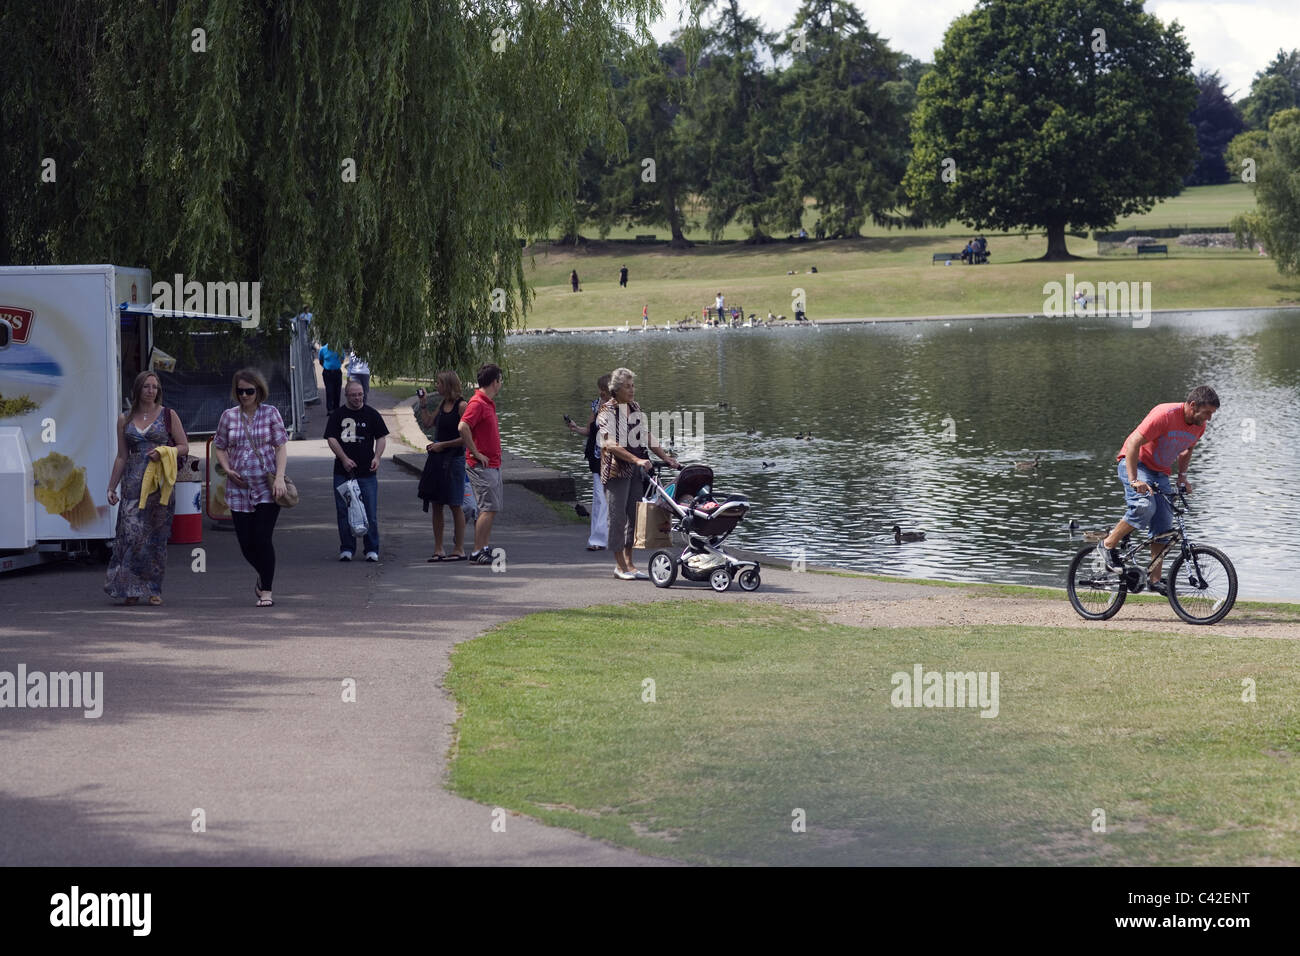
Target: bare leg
<point>1158,550</point>
<point>1115,537</point>
<point>483,529</point>
<point>437,529</point>
<point>624,559</point>
<point>458,528</point>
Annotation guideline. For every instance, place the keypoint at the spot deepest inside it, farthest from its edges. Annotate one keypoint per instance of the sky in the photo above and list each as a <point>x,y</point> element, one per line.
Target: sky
<point>1236,37</point>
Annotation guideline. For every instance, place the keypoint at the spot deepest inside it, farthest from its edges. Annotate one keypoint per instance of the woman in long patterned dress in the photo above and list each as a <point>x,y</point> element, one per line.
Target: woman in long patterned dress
<point>140,548</point>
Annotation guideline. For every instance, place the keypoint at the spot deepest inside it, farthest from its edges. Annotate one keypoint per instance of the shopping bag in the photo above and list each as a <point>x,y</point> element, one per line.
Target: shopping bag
<point>350,492</point>
<point>652,526</point>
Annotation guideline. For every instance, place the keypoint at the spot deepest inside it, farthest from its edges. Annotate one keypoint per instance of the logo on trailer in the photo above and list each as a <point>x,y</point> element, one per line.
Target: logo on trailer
<point>19,321</point>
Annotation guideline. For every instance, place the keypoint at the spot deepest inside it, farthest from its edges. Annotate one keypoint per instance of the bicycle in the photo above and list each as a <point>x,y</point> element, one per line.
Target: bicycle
<point>1202,582</point>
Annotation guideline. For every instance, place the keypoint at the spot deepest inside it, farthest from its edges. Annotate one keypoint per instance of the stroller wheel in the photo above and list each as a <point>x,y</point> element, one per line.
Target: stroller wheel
<point>663,569</point>
<point>720,579</point>
<point>748,579</point>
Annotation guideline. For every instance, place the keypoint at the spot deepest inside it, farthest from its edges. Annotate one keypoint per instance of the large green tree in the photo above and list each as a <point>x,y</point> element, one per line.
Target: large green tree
<point>1276,219</point>
<point>1032,118</point>
<point>1270,93</point>
<point>735,103</point>
<point>1216,120</point>
<point>847,116</point>
<point>377,162</point>
<point>648,182</point>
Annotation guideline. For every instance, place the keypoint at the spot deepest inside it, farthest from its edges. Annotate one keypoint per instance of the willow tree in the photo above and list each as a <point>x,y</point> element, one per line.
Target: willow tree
<point>377,163</point>
<point>1052,114</point>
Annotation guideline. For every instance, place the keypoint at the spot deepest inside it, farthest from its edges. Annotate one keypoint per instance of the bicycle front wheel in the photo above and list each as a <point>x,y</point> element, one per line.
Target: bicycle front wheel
<point>1097,594</point>
<point>1204,589</point>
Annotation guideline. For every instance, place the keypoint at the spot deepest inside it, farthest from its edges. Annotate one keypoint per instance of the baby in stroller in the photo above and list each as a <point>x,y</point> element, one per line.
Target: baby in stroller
<point>706,523</point>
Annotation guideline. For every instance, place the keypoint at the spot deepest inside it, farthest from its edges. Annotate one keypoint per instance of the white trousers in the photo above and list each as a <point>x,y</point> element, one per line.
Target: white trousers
<point>599,522</point>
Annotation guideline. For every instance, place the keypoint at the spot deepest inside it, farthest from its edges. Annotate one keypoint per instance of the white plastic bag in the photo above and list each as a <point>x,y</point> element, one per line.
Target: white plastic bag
<point>350,492</point>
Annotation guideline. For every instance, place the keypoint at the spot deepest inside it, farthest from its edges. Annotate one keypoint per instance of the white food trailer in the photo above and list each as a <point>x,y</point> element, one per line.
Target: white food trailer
<point>72,340</point>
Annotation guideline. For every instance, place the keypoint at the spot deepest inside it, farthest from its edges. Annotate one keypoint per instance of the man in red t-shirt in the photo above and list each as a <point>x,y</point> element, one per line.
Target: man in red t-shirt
<point>1164,439</point>
<point>479,428</point>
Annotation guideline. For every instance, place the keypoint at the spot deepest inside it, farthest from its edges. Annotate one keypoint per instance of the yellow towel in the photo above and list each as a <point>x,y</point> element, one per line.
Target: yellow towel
<point>160,474</point>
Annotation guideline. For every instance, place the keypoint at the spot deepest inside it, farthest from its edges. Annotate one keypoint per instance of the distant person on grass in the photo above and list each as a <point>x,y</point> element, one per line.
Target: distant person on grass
<point>1165,438</point>
<point>573,279</point>
<point>622,277</point>
<point>482,435</point>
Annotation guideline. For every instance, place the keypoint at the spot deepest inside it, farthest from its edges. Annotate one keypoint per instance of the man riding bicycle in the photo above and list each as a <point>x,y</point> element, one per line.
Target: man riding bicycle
<point>1165,437</point>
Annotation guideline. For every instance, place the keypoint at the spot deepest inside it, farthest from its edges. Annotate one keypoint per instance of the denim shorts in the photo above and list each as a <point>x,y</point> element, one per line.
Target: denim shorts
<point>1152,512</point>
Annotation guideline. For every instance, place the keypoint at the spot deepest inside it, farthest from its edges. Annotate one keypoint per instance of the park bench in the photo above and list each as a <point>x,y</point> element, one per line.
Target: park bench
<point>645,238</point>
<point>944,257</point>
<point>1151,250</point>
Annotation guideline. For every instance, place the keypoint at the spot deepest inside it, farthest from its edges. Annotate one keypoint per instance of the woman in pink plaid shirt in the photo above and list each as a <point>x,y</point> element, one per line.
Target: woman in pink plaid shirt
<point>251,445</point>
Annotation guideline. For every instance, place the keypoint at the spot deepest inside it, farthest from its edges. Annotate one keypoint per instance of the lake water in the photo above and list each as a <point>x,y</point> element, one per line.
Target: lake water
<point>920,424</point>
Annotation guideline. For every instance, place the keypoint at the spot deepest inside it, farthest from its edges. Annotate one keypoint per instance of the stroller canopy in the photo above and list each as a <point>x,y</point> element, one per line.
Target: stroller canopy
<point>690,480</point>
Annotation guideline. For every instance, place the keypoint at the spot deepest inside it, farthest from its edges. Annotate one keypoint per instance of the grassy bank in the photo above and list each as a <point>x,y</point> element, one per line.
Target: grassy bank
<point>890,273</point>
<point>761,711</point>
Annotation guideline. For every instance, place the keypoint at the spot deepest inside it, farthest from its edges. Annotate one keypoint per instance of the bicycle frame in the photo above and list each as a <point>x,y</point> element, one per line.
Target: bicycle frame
<point>1176,536</point>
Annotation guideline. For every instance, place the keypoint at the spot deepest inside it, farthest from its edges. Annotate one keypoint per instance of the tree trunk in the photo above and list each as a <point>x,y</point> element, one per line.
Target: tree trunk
<point>679,240</point>
<point>1056,250</point>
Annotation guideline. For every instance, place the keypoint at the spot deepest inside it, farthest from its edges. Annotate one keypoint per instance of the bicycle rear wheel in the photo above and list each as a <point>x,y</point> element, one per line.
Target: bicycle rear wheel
<point>1203,591</point>
<point>1095,593</point>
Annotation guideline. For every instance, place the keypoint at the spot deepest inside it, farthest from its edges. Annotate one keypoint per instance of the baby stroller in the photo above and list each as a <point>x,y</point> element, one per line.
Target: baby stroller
<point>705,522</point>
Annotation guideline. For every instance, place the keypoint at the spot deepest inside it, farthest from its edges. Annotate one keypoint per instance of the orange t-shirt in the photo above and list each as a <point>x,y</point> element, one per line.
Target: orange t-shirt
<point>1168,435</point>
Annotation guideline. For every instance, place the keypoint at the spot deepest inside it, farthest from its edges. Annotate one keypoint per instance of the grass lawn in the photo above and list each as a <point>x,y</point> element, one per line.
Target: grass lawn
<point>762,710</point>
<point>891,274</point>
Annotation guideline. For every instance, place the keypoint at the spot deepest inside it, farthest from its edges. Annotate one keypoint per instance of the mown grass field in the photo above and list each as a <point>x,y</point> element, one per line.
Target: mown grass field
<point>762,711</point>
<point>891,274</point>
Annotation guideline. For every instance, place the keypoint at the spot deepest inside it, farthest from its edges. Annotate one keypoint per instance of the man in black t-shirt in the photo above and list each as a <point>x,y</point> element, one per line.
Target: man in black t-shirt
<point>356,433</point>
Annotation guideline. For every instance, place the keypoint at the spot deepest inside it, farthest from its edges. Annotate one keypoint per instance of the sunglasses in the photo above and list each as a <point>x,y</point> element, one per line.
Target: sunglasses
<point>245,391</point>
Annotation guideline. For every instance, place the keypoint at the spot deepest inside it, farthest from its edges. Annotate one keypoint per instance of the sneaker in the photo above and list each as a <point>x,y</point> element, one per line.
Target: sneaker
<point>372,555</point>
<point>1159,586</point>
<point>481,557</point>
<point>625,575</point>
<point>1110,557</point>
<point>345,555</point>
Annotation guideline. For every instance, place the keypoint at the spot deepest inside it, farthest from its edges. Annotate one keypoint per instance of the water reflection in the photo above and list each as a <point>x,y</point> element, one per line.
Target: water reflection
<point>920,424</point>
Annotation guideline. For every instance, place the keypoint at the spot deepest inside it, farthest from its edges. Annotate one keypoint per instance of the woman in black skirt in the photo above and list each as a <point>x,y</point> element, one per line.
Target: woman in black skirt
<point>443,481</point>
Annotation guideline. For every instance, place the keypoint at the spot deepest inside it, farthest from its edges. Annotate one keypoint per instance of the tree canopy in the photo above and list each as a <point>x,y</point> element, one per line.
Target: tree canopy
<point>847,110</point>
<point>1216,120</point>
<point>1050,114</point>
<point>377,163</point>
<point>1276,219</point>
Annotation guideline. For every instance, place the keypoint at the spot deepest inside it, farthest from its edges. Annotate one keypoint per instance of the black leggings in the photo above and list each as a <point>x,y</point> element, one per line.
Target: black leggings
<point>254,529</point>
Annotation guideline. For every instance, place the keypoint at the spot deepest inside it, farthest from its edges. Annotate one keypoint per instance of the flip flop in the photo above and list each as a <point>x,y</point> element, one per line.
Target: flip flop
<point>454,557</point>
<point>434,559</point>
<point>155,600</point>
<point>595,547</point>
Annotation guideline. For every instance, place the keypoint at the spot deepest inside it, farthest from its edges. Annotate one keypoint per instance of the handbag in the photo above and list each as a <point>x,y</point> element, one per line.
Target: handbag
<point>290,496</point>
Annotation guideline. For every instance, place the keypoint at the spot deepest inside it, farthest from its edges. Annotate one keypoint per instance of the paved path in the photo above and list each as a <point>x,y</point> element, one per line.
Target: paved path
<point>212,703</point>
